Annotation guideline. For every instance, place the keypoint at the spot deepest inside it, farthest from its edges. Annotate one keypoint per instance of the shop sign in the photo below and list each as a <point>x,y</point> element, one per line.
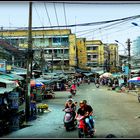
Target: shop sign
<point>14,100</point>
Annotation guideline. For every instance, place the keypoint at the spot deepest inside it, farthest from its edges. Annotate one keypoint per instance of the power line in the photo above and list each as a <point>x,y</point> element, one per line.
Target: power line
<point>114,31</point>
<point>38,16</point>
<point>56,15</point>
<point>104,27</point>
<point>47,14</point>
<point>65,14</point>
<point>85,24</point>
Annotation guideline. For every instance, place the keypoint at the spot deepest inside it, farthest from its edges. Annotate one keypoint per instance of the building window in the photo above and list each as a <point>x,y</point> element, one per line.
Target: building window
<point>42,40</point>
<point>56,40</point>
<point>95,48</point>
<point>88,57</point>
<point>94,56</point>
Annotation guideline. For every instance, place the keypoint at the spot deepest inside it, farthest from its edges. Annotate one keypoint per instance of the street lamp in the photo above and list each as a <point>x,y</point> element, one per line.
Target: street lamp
<point>135,24</point>
<point>122,45</point>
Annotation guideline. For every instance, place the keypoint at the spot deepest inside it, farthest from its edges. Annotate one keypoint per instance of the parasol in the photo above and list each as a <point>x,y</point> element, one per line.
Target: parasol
<point>107,74</point>
<point>35,83</point>
<point>134,80</point>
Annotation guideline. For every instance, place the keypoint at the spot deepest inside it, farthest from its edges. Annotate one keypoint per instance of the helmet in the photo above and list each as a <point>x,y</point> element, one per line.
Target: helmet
<point>81,102</point>
<point>70,100</point>
<point>85,101</point>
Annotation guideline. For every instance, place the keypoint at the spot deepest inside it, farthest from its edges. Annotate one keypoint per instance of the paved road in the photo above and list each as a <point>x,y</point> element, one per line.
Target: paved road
<point>115,113</point>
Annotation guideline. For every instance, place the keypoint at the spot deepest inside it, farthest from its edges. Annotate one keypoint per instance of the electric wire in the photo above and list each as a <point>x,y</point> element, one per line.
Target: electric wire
<point>65,14</point>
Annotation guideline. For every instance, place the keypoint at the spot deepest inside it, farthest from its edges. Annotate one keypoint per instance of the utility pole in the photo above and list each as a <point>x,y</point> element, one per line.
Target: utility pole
<point>129,57</point>
<point>29,63</point>
<point>52,60</point>
<point>128,44</point>
<point>42,60</point>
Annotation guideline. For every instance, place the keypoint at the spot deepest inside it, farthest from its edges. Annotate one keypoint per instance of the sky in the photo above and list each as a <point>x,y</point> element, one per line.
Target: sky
<point>16,14</point>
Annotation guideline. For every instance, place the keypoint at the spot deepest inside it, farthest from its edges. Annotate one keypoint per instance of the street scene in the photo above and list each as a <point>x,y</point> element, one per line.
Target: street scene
<point>69,70</point>
<point>115,113</point>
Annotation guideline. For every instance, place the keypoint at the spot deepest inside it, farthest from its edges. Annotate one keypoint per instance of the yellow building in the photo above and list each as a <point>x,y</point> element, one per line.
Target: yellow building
<point>114,57</point>
<point>111,57</point>
<point>58,46</point>
<point>81,53</point>
<point>95,53</point>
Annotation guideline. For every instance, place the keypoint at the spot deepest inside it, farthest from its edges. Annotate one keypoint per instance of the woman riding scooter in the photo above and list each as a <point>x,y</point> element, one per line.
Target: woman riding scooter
<point>69,117</point>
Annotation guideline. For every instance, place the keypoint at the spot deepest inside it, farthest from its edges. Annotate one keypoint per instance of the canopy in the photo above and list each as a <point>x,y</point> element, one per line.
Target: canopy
<point>12,77</point>
<point>88,74</point>
<point>3,90</point>
<point>8,83</point>
<point>107,75</point>
<point>45,81</point>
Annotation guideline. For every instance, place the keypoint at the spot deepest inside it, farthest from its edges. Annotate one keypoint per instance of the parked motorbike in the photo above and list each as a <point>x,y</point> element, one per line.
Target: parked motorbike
<point>83,130</point>
<point>69,121</point>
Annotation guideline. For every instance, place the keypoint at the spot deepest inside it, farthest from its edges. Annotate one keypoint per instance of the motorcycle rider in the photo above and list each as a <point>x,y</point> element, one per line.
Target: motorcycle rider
<point>72,105</point>
<point>73,87</point>
<point>86,111</point>
<point>89,118</point>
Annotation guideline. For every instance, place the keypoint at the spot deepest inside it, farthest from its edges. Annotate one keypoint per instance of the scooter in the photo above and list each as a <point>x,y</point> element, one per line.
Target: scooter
<point>83,130</point>
<point>97,85</point>
<point>69,121</point>
<point>88,82</point>
<point>73,92</point>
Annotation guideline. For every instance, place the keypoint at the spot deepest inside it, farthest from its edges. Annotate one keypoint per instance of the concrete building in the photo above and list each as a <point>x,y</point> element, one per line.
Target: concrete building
<point>56,47</point>
<point>95,53</point>
<point>111,57</point>
<point>81,53</point>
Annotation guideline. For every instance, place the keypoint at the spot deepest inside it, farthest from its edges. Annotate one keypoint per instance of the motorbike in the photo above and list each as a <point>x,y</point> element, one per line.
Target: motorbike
<point>73,92</point>
<point>83,130</point>
<point>97,85</point>
<point>69,121</point>
<point>88,81</point>
<point>78,84</point>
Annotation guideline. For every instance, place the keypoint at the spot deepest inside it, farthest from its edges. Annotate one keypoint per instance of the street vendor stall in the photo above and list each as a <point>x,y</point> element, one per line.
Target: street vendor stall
<point>36,90</point>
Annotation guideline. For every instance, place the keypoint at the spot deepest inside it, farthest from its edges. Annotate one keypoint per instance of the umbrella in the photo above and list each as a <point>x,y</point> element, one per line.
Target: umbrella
<point>107,74</point>
<point>134,80</point>
<point>35,83</point>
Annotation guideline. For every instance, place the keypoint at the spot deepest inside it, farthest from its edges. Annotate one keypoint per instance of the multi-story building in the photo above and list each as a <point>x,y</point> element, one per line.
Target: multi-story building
<point>111,57</point>
<point>81,53</point>
<point>95,53</point>
<point>57,46</point>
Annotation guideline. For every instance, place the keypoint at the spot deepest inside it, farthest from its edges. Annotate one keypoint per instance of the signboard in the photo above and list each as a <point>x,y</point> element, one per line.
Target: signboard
<point>9,68</point>
<point>2,65</point>
<point>14,100</point>
<point>126,70</point>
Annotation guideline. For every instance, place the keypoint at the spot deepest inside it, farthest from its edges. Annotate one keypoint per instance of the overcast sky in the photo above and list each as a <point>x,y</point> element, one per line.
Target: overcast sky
<point>16,14</point>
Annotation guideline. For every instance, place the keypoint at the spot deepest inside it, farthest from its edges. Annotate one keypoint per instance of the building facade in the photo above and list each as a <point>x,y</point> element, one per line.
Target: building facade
<point>55,47</point>
<point>111,57</point>
<point>81,53</point>
<point>95,53</point>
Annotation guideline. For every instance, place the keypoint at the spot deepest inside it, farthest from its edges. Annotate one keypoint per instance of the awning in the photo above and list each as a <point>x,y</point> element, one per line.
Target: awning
<point>88,74</point>
<point>2,90</point>
<point>11,77</point>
